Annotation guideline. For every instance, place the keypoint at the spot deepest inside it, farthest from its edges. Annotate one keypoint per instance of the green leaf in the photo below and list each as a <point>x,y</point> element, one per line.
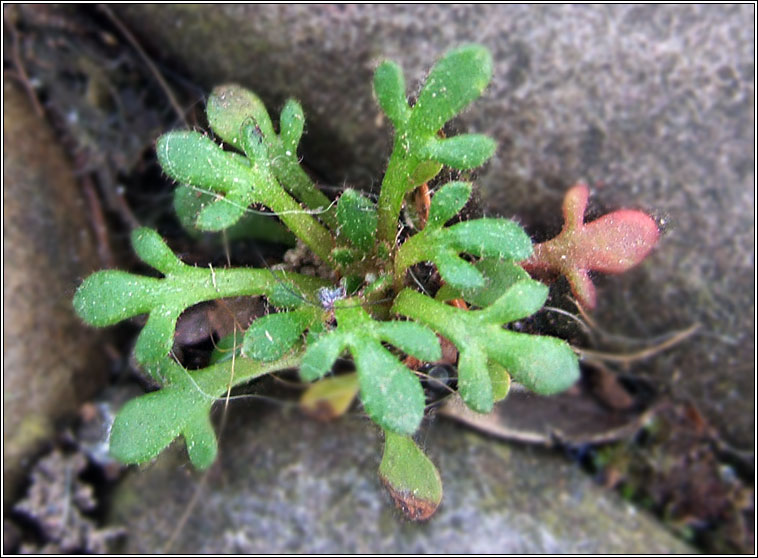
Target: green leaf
<point>474,383</point>
<point>411,477</point>
<point>545,365</point>
<point>412,338</point>
<point>225,348</point>
<point>231,111</point>
<point>152,250</point>
<point>391,394</point>
<point>542,364</point>
<point>389,86</point>
<point>223,213</point>
<point>357,218</point>
<point>345,256</point>
<point>189,202</point>
<point>455,80</point>
<point>518,301</point>
<point>456,271</point>
<point>447,202</point>
<point>254,145</point>
<point>320,356</point>
<point>108,297</point>
<point>466,151</point>
<point>497,238</point>
<point>270,337</point>
<point>498,274</point>
<point>157,337</point>
<point>286,294</point>
<point>229,106</point>
<point>192,158</point>
<point>202,445</point>
<point>148,424</point>
<point>291,123</point>
<point>494,238</point>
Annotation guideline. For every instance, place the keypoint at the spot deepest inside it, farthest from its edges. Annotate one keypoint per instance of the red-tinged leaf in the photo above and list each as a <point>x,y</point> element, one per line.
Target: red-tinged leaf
<point>574,206</point>
<point>613,243</point>
<point>618,241</point>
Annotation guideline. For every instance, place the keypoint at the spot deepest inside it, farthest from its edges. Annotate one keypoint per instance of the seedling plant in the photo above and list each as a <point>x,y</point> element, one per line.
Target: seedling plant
<point>368,307</point>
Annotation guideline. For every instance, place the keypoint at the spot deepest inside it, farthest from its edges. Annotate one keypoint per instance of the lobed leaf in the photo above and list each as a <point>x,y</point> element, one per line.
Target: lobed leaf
<point>458,78</point>
<point>232,110</point>
<point>542,364</point>
<point>148,424</point>
<point>494,238</point>
<point>545,365</point>
<point>390,392</point>
<point>520,300</point>
<point>107,297</point>
<point>156,339</point>
<point>223,213</point>
<point>189,202</point>
<point>613,243</point>
<point>202,445</point>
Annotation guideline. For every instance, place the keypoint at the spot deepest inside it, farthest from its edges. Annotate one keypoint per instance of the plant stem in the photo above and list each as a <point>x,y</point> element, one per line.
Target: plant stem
<point>298,183</point>
<point>409,253</point>
<point>447,320</point>
<point>394,186</point>
<point>196,285</point>
<point>301,223</point>
<point>215,379</point>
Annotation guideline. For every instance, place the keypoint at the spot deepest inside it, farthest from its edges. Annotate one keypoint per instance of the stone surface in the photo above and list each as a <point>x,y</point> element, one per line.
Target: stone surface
<point>287,484</point>
<point>652,104</point>
<point>50,359</point>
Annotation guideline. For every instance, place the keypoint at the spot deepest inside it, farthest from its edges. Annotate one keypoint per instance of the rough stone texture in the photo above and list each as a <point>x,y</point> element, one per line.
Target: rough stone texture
<point>652,104</point>
<point>291,485</point>
<point>50,361</point>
